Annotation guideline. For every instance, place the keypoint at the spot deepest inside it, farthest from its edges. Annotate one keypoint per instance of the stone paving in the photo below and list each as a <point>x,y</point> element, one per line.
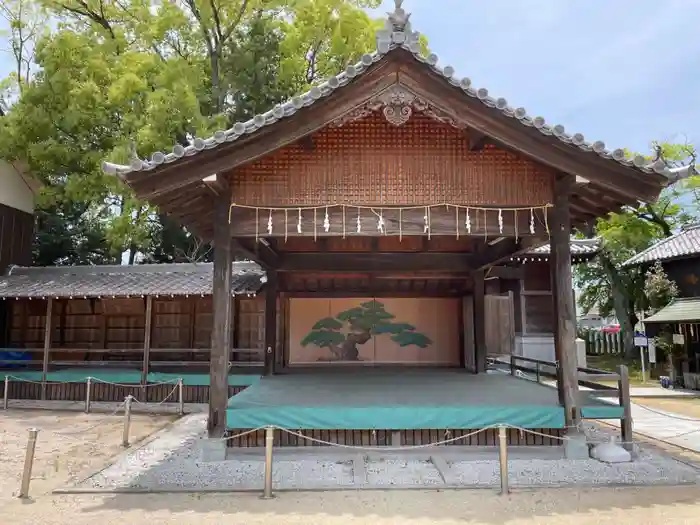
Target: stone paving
<point>664,426</point>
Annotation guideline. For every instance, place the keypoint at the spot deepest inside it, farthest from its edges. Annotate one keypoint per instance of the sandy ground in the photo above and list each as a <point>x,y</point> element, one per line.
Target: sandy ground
<point>642,506</point>
<point>62,458</point>
<point>67,447</point>
<point>684,407</point>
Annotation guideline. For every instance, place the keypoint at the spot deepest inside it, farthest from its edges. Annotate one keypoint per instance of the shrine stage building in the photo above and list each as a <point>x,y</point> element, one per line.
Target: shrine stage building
<point>389,207</point>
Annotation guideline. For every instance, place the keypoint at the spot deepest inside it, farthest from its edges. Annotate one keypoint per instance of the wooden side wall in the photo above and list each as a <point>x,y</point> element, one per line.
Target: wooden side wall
<point>537,315</point>
<point>373,438</point>
<point>16,236</point>
<point>179,323</point>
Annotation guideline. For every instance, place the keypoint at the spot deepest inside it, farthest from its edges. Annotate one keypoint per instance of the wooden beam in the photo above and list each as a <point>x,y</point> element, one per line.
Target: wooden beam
<point>374,262</point>
<point>221,329</point>
<point>565,336</point>
<point>147,334</point>
<point>270,323</point>
<point>480,320</point>
<point>506,272</point>
<point>47,346</point>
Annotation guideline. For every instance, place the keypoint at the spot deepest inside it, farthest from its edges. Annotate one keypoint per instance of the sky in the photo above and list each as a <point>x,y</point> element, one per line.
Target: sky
<point>623,71</point>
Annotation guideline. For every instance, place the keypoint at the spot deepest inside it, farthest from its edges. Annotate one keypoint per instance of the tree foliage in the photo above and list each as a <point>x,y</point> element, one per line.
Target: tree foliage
<point>114,79</point>
<point>605,283</point>
<point>362,322</point>
<point>659,290</point>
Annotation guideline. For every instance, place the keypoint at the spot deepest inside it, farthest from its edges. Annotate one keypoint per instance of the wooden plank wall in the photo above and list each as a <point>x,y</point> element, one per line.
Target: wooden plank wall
<point>16,236</point>
<point>500,325</point>
<point>537,303</point>
<point>373,438</point>
<point>119,324</point>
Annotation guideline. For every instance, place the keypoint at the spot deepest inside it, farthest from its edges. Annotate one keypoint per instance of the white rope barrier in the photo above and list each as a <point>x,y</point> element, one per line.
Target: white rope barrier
<point>95,380</point>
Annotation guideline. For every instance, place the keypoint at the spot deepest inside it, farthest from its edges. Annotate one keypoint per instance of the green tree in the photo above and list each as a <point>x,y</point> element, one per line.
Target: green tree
<point>343,333</point>
<point>612,288</point>
<point>116,79</point>
<point>659,290</point>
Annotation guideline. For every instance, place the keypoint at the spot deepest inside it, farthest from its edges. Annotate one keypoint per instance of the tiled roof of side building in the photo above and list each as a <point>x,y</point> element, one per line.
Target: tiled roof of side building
<point>581,250</point>
<point>397,34</point>
<point>125,281</point>
<point>681,310</point>
<point>683,244</point>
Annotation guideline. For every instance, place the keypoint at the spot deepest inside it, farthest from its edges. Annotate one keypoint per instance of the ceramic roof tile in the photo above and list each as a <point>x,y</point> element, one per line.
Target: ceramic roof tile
<point>397,33</point>
<point>680,310</point>
<point>580,249</point>
<point>122,281</point>
<point>682,244</point>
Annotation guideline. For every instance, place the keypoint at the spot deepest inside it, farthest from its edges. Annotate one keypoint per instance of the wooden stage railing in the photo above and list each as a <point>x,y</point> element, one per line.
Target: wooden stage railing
<point>592,378</point>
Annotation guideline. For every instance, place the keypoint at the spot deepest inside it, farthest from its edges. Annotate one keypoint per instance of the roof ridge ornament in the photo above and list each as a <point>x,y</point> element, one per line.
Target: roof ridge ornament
<point>399,18</point>
<point>397,31</point>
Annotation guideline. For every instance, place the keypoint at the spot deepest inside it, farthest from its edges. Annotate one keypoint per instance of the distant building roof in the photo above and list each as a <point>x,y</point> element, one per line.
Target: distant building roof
<point>685,310</point>
<point>581,250</point>
<point>125,281</point>
<point>682,244</point>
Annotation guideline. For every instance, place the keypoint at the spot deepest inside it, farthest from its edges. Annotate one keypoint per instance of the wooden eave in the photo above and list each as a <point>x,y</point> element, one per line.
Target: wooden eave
<point>611,184</point>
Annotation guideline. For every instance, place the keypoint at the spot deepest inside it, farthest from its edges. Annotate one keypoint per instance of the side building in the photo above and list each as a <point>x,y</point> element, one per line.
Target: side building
<point>679,255</point>
<point>17,192</point>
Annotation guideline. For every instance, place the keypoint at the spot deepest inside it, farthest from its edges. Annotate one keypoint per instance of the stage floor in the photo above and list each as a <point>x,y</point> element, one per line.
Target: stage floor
<point>402,399</point>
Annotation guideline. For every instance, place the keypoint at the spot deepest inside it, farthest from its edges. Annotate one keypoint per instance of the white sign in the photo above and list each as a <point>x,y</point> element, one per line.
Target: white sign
<point>641,341</point>
<point>652,352</point>
<point>678,339</point>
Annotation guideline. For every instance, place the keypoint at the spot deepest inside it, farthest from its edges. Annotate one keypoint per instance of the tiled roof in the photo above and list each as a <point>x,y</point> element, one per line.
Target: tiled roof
<point>123,281</point>
<point>397,34</point>
<point>679,311</point>
<point>580,249</point>
<point>682,244</point>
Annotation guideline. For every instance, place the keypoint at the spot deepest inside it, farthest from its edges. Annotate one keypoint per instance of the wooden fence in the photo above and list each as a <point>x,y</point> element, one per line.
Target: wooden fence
<point>598,343</point>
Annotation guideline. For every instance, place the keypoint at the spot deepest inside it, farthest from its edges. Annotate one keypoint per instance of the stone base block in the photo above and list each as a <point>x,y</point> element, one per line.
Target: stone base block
<point>212,450</point>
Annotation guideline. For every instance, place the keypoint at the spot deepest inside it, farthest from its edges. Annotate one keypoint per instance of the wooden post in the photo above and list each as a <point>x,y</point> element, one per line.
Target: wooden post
<point>148,331</point>
<point>221,329</point>
<point>626,403</point>
<point>480,320</point>
<point>270,322</point>
<point>565,322</point>
<point>47,346</point>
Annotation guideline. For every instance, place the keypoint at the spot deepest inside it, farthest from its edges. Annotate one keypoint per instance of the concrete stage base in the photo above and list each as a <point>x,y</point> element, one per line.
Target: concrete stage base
<point>212,450</point>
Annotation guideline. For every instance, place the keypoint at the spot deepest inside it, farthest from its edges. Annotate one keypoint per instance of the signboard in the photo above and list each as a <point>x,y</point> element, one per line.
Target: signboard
<point>678,339</point>
<point>641,340</point>
<point>652,352</point>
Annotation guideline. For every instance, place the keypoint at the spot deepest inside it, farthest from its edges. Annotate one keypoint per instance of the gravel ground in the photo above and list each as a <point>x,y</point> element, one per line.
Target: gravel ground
<point>70,446</point>
<point>171,461</point>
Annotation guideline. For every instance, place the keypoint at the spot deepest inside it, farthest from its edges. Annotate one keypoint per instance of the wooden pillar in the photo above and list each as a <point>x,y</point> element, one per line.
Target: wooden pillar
<point>147,331</point>
<point>480,320</point>
<point>564,311</point>
<point>270,322</point>
<point>47,346</point>
<point>221,329</point>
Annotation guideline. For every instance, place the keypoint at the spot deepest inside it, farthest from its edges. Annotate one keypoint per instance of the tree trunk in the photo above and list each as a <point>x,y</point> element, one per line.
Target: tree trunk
<point>621,306</point>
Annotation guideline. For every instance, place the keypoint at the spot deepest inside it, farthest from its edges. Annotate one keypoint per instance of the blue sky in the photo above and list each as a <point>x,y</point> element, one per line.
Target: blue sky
<point>623,71</point>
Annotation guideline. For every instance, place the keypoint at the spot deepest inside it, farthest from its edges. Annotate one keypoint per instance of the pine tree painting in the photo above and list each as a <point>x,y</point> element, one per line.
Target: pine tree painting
<point>344,332</point>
